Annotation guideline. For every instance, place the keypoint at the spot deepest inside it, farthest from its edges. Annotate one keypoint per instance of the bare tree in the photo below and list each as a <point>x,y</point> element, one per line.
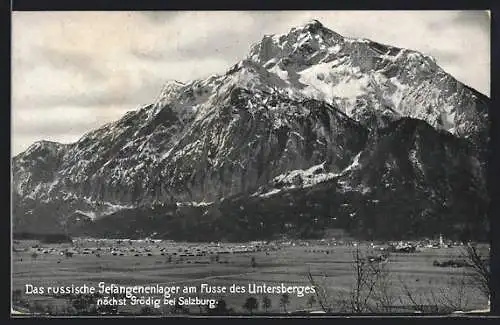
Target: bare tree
<point>220,309</point>
<point>251,304</point>
<point>367,274</point>
<point>383,297</point>
<point>322,296</point>
<point>373,289</point>
<point>453,296</point>
<point>408,297</point>
<point>266,303</point>
<point>311,301</point>
<point>480,266</point>
<point>370,291</point>
<point>284,301</point>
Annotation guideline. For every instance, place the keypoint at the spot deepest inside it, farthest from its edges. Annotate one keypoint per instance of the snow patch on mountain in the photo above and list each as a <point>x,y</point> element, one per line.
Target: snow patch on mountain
<point>217,125</point>
<point>194,204</point>
<point>113,207</point>
<point>268,194</point>
<point>91,214</point>
<point>302,178</point>
<point>412,156</point>
<point>354,165</point>
<point>283,74</point>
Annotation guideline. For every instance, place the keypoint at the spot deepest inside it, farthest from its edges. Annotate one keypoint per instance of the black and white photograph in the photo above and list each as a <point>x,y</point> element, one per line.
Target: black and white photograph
<point>255,163</point>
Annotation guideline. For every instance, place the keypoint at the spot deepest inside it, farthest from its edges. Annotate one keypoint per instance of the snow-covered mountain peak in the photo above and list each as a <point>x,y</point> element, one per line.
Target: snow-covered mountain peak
<point>302,43</point>
<point>313,23</point>
<point>43,144</point>
<point>305,110</point>
<point>371,82</point>
<point>170,88</point>
<point>42,148</point>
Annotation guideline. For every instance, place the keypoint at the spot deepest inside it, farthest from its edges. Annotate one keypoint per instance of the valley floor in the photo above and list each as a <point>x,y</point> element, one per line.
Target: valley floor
<point>168,263</point>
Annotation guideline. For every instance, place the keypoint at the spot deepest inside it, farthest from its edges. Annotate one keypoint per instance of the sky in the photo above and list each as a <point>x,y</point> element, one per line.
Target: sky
<point>75,71</point>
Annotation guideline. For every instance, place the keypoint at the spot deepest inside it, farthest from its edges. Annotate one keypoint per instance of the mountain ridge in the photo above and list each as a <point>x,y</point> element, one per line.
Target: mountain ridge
<point>302,106</point>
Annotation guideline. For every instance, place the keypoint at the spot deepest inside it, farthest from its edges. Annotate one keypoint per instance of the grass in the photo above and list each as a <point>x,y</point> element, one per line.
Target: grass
<point>288,265</point>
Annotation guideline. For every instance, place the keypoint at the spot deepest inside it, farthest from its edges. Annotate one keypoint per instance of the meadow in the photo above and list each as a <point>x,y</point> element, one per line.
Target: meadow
<point>191,264</point>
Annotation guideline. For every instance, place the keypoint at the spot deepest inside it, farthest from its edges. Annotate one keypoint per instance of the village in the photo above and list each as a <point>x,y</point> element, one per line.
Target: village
<point>143,247</point>
<point>424,263</point>
<point>178,252</point>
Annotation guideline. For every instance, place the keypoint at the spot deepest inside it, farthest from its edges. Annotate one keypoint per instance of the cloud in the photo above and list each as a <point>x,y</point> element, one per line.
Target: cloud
<point>480,19</point>
<point>23,141</point>
<point>129,86</point>
<point>104,57</point>
<point>90,67</point>
<point>73,61</point>
<point>447,56</point>
<point>159,17</point>
<point>64,124</point>
<point>64,119</point>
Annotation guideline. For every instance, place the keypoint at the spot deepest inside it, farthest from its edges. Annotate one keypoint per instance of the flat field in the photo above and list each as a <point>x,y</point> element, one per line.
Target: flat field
<point>190,264</point>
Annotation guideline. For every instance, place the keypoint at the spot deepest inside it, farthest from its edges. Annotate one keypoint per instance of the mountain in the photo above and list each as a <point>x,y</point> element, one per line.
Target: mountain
<point>308,116</point>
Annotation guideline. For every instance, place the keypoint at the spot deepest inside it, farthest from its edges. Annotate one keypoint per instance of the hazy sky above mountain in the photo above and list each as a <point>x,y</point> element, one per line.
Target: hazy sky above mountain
<point>74,71</point>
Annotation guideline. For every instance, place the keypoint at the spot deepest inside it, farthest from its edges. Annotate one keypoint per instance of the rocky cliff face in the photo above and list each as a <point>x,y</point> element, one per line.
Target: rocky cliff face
<point>371,81</point>
<point>309,115</point>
